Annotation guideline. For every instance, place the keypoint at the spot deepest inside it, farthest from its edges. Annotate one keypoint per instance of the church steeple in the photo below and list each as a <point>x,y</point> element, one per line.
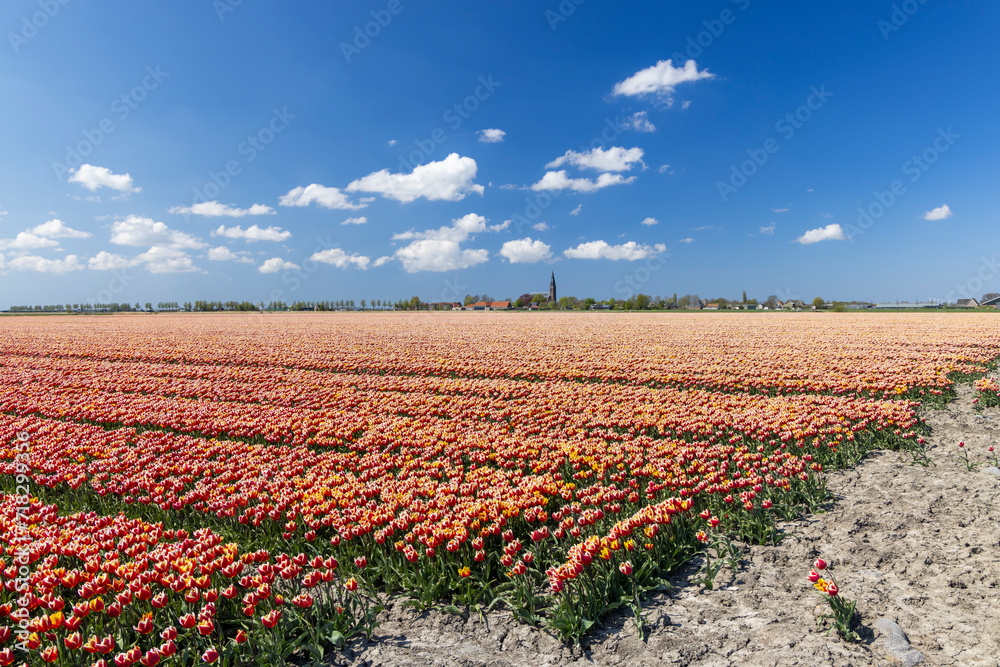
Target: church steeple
<point>552,287</point>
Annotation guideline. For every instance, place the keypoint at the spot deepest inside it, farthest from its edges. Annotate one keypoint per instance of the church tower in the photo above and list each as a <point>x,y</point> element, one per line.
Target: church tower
<point>552,288</point>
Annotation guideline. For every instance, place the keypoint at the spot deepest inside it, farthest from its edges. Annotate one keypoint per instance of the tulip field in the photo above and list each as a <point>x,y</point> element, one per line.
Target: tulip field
<point>251,489</point>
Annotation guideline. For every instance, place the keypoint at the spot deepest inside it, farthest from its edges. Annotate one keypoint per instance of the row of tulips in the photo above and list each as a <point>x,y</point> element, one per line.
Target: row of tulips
<point>883,356</point>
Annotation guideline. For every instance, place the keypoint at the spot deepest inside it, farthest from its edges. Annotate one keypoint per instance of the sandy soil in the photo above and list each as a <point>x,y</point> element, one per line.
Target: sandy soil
<point>917,545</point>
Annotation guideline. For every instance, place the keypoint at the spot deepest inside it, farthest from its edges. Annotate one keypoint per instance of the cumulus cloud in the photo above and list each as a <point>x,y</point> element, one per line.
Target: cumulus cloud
<point>649,222</point>
<point>107,261</point>
<point>439,255</point>
<point>360,220</point>
<point>526,251</point>
<point>939,213</point>
<point>615,158</point>
<point>138,231</point>
<point>769,230</point>
<point>27,241</point>
<point>57,229</point>
<point>491,136</point>
<point>44,265</point>
<point>661,79</point>
<point>276,264</point>
<point>557,180</point>
<point>321,196</point>
<point>92,178</point>
<point>541,226</point>
<point>639,121</point>
<point>440,249</point>
<point>213,209</point>
<point>252,233</point>
<point>393,142</point>
<point>382,260</point>
<point>630,251</point>
<point>687,240</point>
<point>167,259</point>
<point>832,232</point>
<point>450,179</point>
<point>341,259</point>
<point>223,254</point>
<point>576,211</point>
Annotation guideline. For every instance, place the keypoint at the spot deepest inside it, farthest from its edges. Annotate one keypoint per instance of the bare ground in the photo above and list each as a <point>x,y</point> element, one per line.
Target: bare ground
<point>917,545</point>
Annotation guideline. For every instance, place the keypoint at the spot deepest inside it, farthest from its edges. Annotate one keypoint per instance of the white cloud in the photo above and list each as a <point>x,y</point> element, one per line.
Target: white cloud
<point>57,229</point>
<point>939,213</point>
<point>575,211</point>
<point>27,241</point>
<point>649,222</point>
<point>780,210</point>
<point>3,212</point>
<point>630,251</point>
<point>360,220</point>
<point>687,240</point>
<point>167,259</point>
<point>615,158</point>
<point>438,255</point>
<point>213,209</point>
<point>459,230</point>
<point>440,249</point>
<point>703,228</point>
<point>107,261</point>
<point>138,231</point>
<point>92,177</point>
<point>43,265</point>
<point>252,233</point>
<point>664,168</point>
<point>381,260</point>
<point>769,230</point>
<point>223,254</point>
<point>322,196</point>
<point>557,180</point>
<point>341,259</point>
<point>393,142</point>
<point>661,79</point>
<point>451,179</point>
<point>541,226</point>
<point>639,121</point>
<point>276,264</point>
<point>526,251</point>
<point>491,136</point>
<point>832,232</point>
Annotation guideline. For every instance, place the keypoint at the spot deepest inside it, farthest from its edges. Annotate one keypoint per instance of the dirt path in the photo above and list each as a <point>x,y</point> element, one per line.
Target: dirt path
<point>917,545</point>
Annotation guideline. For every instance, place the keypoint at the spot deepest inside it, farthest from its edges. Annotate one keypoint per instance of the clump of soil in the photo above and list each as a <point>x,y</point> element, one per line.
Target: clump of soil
<point>916,545</point>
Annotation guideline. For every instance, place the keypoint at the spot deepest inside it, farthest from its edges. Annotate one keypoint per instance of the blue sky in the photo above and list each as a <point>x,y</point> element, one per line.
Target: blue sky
<point>377,150</point>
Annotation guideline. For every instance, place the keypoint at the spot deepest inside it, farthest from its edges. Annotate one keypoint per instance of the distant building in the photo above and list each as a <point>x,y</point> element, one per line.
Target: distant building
<point>489,305</point>
<point>711,306</point>
<point>967,303</point>
<point>902,305</point>
<point>552,288</point>
<point>995,302</point>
